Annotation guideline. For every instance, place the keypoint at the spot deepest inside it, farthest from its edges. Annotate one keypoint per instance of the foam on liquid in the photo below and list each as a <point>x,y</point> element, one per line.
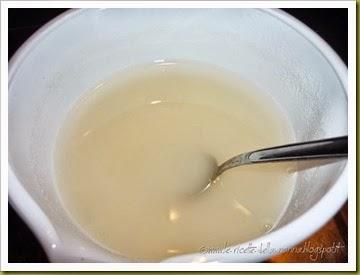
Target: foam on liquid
<point>132,151</point>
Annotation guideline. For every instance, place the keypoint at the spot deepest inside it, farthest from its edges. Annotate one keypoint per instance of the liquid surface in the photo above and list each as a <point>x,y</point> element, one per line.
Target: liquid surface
<point>132,151</point>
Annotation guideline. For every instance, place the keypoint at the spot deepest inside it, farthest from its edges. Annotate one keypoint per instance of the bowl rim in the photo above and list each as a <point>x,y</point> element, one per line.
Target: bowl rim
<point>314,218</point>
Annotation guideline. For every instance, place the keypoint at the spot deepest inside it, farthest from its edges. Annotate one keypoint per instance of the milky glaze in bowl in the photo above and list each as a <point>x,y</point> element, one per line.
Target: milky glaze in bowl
<point>78,49</point>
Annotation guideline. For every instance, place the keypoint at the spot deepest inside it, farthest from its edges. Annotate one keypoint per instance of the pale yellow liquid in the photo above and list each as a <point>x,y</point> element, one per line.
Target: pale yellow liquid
<point>132,153</point>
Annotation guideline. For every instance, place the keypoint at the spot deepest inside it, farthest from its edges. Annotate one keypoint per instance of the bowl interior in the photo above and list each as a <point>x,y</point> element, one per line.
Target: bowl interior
<point>75,54</point>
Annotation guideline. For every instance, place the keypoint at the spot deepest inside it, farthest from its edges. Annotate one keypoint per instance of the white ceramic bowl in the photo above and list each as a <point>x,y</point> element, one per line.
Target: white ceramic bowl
<point>81,47</point>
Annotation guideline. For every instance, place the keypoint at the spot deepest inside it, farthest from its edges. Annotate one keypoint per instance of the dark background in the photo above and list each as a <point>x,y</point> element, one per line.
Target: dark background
<point>330,24</point>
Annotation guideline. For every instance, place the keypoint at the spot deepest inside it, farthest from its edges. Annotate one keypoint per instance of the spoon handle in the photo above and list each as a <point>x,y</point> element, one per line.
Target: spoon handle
<point>318,149</point>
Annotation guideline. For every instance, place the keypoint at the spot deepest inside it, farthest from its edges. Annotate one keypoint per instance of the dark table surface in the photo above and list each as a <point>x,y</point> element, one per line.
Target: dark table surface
<point>330,24</point>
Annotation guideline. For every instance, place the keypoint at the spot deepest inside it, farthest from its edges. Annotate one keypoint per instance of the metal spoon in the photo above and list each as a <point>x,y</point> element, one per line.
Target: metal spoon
<point>318,149</point>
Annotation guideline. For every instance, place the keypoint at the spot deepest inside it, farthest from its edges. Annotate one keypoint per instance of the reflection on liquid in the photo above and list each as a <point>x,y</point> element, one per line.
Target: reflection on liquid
<point>173,215</point>
<point>242,208</point>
